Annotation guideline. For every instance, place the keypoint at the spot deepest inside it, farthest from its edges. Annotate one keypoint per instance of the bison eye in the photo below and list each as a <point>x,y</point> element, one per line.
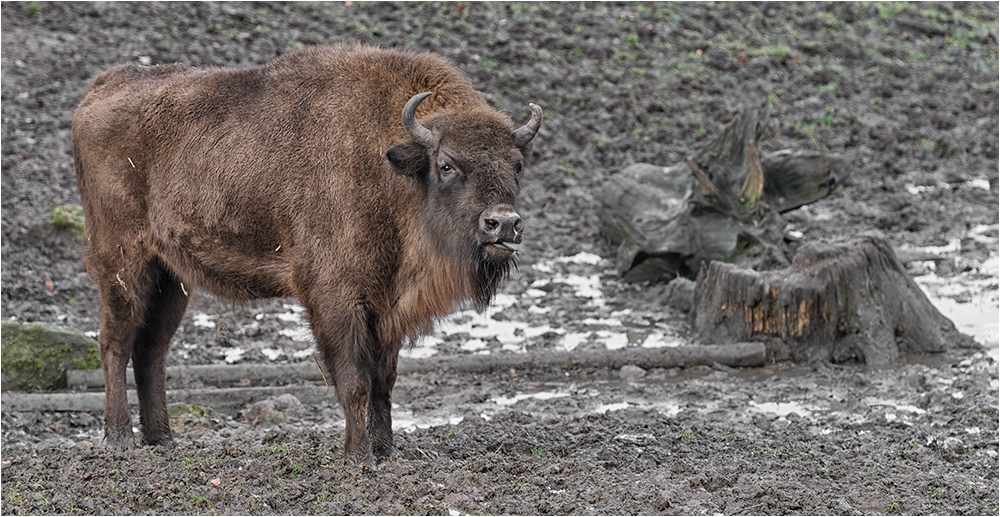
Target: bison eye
<point>447,172</point>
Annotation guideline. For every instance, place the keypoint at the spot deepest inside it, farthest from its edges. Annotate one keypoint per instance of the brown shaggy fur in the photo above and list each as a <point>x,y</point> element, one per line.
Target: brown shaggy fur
<point>296,179</point>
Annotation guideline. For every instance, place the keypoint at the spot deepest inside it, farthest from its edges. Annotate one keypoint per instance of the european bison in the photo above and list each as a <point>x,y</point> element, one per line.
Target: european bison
<point>296,178</point>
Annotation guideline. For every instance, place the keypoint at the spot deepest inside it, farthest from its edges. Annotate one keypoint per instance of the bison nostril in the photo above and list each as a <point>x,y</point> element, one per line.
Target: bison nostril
<point>501,223</point>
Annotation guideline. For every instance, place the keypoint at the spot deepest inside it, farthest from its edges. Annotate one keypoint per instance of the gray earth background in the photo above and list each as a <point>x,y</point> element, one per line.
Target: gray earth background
<point>907,91</point>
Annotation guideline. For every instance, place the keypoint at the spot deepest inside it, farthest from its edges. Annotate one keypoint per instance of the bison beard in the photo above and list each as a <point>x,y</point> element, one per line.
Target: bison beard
<point>308,177</point>
<point>489,275</point>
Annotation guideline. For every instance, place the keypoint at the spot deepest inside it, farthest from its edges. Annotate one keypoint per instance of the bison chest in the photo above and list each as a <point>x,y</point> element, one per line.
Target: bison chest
<point>425,290</point>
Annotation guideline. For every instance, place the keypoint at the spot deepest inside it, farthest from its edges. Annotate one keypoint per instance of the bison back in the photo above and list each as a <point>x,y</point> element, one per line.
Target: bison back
<point>235,174</point>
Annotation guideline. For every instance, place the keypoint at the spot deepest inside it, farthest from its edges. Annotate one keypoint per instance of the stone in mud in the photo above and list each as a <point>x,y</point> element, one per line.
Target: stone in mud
<point>278,409</point>
<point>631,372</point>
<point>36,357</point>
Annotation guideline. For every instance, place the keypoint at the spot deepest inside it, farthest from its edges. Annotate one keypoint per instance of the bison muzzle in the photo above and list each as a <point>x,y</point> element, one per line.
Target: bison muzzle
<point>308,177</point>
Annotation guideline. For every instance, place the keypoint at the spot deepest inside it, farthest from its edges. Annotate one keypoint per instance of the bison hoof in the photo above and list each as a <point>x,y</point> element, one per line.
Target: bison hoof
<point>119,440</point>
<point>363,459</point>
<point>162,439</point>
<point>384,453</point>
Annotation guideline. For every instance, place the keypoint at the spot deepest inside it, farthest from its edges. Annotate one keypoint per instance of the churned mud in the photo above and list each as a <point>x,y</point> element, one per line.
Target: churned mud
<point>907,91</point>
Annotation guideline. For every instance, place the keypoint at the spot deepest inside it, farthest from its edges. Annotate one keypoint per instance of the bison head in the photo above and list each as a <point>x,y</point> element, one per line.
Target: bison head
<point>469,162</point>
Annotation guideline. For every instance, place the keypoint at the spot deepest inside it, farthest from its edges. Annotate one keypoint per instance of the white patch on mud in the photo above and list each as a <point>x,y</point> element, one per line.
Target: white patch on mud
<point>534,309</point>
<point>234,355</point>
<point>406,421</point>
<point>200,319</point>
<point>602,321</point>
<point>484,327</point>
<point>586,286</point>
<point>541,395</point>
<point>473,345</point>
<point>302,354</point>
<point>780,408</point>
<point>898,406</point>
<point>589,259</point>
<point>982,183</point>
<point>613,340</point>
<point>617,406</point>
<point>572,340</point>
<point>971,299</point>
<point>660,340</point>
<point>422,348</point>
<point>272,353</point>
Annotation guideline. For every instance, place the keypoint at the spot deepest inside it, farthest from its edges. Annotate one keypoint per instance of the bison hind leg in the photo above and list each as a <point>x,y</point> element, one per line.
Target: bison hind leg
<point>141,306</point>
<point>166,303</point>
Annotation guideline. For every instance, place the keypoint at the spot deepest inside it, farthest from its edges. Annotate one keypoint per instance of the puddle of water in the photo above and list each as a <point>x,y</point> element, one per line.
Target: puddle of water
<point>780,408</point>
<point>541,395</point>
<point>871,401</point>
<point>979,317</point>
<point>618,406</point>
<point>407,422</point>
<point>660,340</point>
<point>613,340</point>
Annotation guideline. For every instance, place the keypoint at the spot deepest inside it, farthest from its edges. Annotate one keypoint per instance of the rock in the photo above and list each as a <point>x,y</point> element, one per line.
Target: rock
<point>631,372</point>
<point>35,357</point>
<point>680,294</point>
<point>277,409</point>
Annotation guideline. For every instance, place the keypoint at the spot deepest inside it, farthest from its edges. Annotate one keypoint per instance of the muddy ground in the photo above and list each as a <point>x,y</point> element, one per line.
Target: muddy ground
<point>907,91</point>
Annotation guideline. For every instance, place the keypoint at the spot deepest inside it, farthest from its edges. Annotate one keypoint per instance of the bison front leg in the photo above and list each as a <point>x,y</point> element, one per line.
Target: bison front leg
<point>379,415</point>
<point>345,343</point>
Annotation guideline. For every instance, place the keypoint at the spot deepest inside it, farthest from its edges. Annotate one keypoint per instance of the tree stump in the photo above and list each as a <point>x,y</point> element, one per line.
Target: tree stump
<point>839,301</point>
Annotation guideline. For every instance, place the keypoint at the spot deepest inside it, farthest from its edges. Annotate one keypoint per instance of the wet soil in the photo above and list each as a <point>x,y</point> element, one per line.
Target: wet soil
<point>907,91</point>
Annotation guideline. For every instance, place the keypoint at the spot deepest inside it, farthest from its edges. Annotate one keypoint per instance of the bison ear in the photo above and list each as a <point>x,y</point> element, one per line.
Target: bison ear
<point>409,159</point>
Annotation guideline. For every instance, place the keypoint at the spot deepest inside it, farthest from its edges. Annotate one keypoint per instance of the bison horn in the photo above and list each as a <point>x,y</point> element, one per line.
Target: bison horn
<point>525,133</point>
<point>418,133</point>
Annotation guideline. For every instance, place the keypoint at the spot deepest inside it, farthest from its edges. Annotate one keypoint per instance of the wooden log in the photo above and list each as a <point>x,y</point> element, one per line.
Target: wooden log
<point>841,300</point>
<point>735,355</point>
<point>217,375</point>
<point>227,400</point>
<point>232,399</point>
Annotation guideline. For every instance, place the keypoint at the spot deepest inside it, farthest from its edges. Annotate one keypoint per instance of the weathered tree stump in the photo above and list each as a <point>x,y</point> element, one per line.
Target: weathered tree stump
<point>839,301</point>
